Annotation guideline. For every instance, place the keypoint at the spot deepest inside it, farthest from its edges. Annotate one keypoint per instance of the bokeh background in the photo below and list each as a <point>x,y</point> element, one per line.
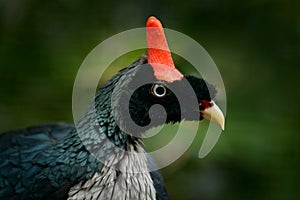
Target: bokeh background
<point>255,44</point>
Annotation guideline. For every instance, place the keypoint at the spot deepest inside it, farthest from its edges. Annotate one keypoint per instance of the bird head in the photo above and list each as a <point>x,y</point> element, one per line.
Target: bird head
<point>154,80</point>
<point>165,80</point>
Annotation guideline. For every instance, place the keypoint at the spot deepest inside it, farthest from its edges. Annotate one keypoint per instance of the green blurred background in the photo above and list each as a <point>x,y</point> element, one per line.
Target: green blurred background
<point>255,44</point>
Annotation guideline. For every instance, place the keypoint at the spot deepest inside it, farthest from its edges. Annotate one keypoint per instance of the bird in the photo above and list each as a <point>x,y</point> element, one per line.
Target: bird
<point>97,158</point>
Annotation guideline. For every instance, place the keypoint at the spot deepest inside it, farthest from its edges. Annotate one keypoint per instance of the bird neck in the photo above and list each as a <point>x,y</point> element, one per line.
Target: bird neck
<point>125,172</point>
<point>98,127</point>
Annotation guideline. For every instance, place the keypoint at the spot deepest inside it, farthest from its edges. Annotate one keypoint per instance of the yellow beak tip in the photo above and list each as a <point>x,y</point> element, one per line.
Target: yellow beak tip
<point>214,114</point>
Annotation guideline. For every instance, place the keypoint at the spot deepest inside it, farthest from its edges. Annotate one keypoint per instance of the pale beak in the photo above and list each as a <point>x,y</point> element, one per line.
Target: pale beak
<point>214,114</point>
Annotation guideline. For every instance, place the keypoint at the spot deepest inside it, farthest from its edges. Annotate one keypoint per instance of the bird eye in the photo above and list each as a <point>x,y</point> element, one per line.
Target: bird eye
<point>159,90</point>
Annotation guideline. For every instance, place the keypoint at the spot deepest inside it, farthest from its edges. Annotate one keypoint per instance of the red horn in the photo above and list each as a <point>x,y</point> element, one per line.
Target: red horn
<point>159,55</point>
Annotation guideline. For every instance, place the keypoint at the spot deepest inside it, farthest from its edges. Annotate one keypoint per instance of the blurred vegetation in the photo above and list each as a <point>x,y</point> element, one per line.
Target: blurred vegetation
<point>255,44</point>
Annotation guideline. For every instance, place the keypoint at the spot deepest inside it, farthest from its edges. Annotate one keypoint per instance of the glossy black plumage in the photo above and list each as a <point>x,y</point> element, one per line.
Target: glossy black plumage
<point>45,162</point>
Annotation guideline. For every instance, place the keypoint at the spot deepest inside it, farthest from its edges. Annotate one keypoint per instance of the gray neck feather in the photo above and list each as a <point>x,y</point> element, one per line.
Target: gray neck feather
<point>123,176</point>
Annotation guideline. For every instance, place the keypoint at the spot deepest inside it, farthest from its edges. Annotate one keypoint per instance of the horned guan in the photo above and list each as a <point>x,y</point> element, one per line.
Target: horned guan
<point>95,159</point>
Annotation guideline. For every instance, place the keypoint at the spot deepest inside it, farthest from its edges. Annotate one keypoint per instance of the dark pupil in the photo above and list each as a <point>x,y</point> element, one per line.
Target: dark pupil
<point>160,90</point>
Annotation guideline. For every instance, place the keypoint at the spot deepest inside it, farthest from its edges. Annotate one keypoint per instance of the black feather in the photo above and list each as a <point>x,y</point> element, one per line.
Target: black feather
<point>44,162</point>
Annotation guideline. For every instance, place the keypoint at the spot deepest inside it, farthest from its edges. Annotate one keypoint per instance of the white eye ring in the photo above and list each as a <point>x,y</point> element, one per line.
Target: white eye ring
<point>159,90</point>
